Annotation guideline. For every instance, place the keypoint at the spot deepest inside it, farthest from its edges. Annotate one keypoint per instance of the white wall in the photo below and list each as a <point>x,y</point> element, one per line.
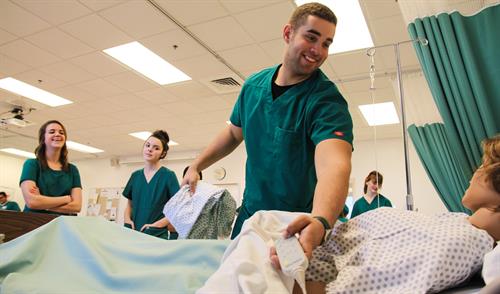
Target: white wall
<point>99,173</point>
<point>10,173</point>
<point>390,163</point>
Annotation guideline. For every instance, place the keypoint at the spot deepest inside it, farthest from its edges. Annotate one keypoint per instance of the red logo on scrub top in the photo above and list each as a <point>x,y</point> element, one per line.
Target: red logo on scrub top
<point>339,133</point>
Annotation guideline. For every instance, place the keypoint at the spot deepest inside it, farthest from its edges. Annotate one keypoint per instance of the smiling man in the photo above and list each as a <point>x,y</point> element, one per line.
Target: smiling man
<point>297,131</point>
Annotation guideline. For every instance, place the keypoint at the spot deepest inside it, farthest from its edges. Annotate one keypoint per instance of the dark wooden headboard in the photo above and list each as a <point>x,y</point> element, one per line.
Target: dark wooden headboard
<point>14,224</point>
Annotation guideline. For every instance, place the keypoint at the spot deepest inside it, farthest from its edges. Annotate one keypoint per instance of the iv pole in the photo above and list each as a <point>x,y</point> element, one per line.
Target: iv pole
<point>371,52</point>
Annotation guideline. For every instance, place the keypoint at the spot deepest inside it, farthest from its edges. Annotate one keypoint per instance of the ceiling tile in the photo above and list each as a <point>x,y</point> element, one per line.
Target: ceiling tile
<point>40,80</point>
<point>157,96</point>
<point>68,72</point>
<point>189,89</point>
<point>10,67</point>
<point>181,108</point>
<point>266,23</point>
<point>193,12</point>
<point>379,8</point>
<point>18,21</point>
<point>131,81</point>
<point>210,104</point>
<point>99,64</point>
<point>138,19</point>
<point>59,43</point>
<point>74,93</point>
<point>96,32</point>
<point>349,64</point>
<point>235,6</point>
<point>275,49</point>
<point>97,5</point>
<point>174,45</point>
<point>204,66</point>
<point>223,33</point>
<point>6,37</point>
<point>101,88</point>
<point>389,30</point>
<point>126,101</point>
<point>27,53</point>
<point>238,58</point>
<point>55,12</point>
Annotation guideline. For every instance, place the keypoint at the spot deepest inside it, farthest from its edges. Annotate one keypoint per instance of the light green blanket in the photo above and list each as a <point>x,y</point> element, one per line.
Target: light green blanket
<point>92,255</point>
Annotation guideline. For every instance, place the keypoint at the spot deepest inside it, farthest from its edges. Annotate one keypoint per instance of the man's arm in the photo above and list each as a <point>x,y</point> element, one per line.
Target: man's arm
<point>224,143</point>
<point>333,168</point>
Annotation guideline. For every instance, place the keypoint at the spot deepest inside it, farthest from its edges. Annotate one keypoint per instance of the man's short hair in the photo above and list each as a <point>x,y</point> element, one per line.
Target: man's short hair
<point>2,193</point>
<point>300,14</point>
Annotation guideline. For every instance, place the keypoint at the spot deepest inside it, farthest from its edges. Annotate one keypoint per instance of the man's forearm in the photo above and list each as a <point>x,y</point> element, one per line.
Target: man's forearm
<point>333,168</point>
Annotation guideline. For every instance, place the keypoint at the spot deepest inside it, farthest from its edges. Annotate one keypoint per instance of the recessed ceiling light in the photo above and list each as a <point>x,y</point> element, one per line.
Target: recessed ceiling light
<point>146,62</point>
<point>145,135</point>
<point>82,148</point>
<point>31,92</point>
<point>18,152</point>
<point>379,114</point>
<point>352,31</point>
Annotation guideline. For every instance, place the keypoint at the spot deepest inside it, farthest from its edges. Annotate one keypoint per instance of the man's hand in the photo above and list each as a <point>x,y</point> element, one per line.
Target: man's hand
<point>191,178</point>
<point>311,233</point>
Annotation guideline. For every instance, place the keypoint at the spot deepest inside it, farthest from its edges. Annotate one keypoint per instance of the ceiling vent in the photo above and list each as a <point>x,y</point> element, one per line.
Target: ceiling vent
<point>224,85</point>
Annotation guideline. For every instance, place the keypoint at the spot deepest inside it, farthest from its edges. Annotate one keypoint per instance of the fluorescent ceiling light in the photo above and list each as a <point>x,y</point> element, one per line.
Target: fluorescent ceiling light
<point>352,32</point>
<point>82,148</point>
<point>145,135</point>
<point>34,93</point>
<point>146,62</point>
<point>379,114</point>
<point>18,152</point>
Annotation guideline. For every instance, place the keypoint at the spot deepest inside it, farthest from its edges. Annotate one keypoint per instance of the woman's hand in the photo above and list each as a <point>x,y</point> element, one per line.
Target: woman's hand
<point>130,223</point>
<point>35,191</point>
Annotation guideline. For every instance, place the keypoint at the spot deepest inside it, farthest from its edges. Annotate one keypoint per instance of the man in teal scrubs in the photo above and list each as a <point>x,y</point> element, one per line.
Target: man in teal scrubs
<point>297,131</point>
<point>7,205</point>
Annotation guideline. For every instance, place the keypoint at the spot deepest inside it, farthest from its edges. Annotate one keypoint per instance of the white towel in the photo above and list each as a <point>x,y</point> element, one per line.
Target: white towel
<point>183,209</point>
<point>491,265</point>
<point>245,266</point>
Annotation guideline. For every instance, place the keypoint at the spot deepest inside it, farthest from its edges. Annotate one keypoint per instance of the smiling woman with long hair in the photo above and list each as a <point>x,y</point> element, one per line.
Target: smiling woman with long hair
<point>149,189</point>
<point>49,183</point>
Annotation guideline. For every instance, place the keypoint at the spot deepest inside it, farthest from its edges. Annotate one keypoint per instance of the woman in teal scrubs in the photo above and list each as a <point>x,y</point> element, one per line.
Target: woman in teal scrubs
<point>371,199</point>
<point>49,183</point>
<point>149,189</point>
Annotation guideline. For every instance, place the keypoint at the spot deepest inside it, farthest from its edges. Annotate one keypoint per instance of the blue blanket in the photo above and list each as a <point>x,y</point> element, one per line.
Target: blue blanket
<point>88,254</point>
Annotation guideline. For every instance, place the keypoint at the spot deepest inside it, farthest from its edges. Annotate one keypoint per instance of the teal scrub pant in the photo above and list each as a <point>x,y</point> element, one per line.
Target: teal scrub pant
<point>243,214</point>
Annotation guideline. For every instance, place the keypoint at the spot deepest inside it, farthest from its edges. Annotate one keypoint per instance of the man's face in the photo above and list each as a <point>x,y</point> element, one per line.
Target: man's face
<point>3,198</point>
<point>307,45</point>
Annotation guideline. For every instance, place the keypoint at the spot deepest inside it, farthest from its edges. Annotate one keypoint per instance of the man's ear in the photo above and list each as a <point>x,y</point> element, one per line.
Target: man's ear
<point>287,32</point>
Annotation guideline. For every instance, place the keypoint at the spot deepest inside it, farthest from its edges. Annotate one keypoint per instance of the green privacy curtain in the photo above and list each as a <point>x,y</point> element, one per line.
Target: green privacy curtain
<point>440,164</point>
<point>462,66</point>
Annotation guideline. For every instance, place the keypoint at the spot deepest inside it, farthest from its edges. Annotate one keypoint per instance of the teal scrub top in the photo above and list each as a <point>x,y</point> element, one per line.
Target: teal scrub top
<point>10,205</point>
<point>362,206</point>
<point>281,136</point>
<point>51,183</point>
<point>148,199</point>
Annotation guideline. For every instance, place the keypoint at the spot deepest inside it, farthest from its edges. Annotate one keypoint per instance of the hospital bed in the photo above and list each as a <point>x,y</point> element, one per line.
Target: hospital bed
<point>93,255</point>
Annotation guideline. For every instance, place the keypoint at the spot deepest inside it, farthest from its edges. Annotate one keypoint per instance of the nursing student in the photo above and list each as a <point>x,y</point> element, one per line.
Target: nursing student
<point>297,131</point>
<point>49,183</point>
<point>372,199</point>
<point>149,189</point>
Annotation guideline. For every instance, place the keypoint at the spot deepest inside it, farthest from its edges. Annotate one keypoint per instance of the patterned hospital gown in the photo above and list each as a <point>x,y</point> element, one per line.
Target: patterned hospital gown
<point>395,251</point>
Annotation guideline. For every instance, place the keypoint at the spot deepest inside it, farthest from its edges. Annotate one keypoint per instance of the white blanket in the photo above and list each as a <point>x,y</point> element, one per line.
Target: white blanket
<point>246,267</point>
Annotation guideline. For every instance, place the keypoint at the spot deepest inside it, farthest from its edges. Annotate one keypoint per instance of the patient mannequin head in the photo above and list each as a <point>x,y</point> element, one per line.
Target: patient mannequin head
<point>483,194</point>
